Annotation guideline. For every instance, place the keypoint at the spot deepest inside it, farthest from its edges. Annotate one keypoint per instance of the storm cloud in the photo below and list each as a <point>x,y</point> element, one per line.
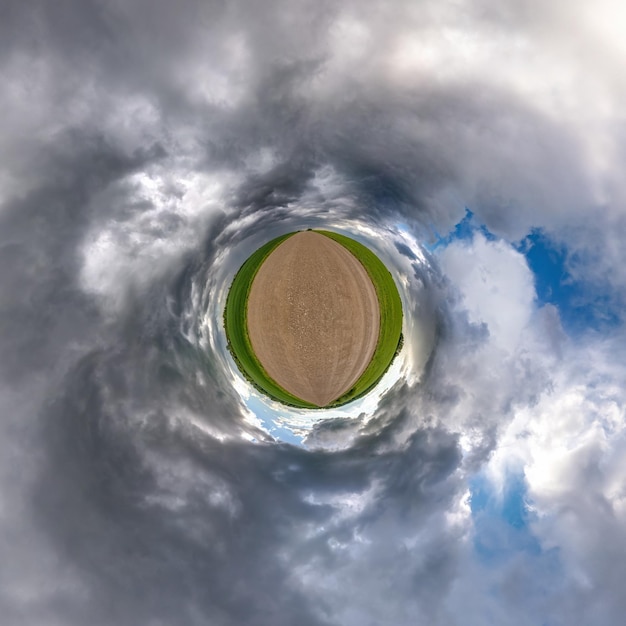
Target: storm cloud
<point>147,148</point>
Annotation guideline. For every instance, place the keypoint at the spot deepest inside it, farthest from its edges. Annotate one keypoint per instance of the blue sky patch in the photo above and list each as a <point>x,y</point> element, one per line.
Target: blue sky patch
<point>463,231</point>
<point>501,521</point>
<point>581,305</point>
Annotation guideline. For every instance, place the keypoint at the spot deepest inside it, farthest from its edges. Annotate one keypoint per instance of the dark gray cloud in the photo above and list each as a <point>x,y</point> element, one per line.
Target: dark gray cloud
<point>147,149</point>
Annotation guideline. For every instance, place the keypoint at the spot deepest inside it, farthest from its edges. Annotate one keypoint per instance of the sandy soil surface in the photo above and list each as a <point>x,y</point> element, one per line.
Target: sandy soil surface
<point>313,317</point>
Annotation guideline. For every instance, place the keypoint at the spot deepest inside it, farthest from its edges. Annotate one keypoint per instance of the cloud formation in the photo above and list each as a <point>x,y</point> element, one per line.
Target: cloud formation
<point>148,148</point>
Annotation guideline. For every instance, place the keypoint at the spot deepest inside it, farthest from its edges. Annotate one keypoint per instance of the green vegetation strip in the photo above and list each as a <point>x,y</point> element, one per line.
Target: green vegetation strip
<point>236,327</point>
<point>390,336</point>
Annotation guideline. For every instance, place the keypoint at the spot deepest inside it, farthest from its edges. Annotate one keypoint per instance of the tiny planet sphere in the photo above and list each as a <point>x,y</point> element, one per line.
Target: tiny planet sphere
<point>313,317</point>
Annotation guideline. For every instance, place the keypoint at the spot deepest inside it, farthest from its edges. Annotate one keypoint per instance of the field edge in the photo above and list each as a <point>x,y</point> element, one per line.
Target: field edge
<point>390,339</point>
<point>236,328</point>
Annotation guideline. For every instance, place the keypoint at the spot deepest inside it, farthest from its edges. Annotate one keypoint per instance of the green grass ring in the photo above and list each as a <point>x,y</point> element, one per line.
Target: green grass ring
<point>389,338</point>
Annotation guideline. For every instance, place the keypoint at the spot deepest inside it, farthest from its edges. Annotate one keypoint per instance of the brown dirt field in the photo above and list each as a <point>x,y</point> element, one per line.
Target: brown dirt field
<point>313,317</point>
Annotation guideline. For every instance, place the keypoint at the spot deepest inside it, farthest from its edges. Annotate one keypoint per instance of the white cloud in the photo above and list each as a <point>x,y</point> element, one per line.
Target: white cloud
<point>496,286</point>
<point>162,215</point>
<point>373,112</point>
<point>570,447</point>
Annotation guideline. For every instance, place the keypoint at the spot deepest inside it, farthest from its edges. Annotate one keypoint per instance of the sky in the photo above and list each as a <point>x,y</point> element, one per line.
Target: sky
<point>147,148</point>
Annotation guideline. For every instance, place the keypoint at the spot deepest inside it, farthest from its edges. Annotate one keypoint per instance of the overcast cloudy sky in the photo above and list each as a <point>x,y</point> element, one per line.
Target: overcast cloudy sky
<point>147,147</point>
